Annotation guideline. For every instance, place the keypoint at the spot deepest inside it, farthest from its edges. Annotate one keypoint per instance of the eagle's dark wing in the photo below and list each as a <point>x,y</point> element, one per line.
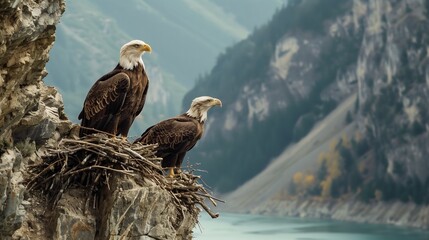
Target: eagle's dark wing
<point>104,100</point>
<point>141,105</point>
<point>172,135</point>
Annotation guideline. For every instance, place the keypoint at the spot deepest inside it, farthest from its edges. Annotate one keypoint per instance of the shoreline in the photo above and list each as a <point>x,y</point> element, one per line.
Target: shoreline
<point>391,213</point>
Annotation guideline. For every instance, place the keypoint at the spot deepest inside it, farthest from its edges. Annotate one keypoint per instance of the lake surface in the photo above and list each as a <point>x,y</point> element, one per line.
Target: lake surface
<point>250,227</point>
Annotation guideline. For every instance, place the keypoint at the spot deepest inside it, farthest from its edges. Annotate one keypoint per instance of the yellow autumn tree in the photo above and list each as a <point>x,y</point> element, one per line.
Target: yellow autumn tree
<point>345,141</point>
<point>297,178</point>
<point>326,187</point>
<point>303,181</point>
<point>332,160</point>
<point>309,181</point>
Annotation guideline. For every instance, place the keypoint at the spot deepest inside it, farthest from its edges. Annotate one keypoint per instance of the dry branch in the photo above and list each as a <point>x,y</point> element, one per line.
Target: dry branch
<point>88,163</point>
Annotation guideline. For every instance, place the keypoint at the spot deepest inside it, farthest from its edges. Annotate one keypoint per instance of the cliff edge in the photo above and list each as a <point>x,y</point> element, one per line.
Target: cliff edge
<point>32,119</point>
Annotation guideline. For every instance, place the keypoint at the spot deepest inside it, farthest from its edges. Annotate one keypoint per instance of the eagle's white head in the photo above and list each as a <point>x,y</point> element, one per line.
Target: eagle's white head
<point>131,54</point>
<point>201,105</point>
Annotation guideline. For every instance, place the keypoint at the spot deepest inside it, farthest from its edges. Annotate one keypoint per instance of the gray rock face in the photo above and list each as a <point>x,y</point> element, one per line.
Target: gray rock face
<point>26,35</point>
<point>11,190</point>
<point>142,209</point>
<point>32,117</point>
<point>393,77</point>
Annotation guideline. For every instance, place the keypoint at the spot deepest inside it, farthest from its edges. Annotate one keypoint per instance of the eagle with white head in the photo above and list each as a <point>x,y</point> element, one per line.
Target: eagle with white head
<point>115,100</point>
<point>177,135</point>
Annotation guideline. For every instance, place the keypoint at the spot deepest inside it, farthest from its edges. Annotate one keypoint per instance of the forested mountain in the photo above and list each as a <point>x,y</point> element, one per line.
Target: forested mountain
<point>287,76</point>
<point>271,85</point>
<point>185,35</point>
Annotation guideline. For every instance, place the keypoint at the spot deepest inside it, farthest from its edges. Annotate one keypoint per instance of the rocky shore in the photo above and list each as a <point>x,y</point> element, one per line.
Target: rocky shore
<point>394,213</point>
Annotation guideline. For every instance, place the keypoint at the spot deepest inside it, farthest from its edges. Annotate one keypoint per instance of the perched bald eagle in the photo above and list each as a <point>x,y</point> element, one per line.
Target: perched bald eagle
<point>178,135</point>
<point>115,99</point>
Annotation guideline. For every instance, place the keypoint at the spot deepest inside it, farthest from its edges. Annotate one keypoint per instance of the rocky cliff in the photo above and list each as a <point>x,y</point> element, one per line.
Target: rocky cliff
<point>32,118</point>
<point>31,113</point>
<point>393,79</point>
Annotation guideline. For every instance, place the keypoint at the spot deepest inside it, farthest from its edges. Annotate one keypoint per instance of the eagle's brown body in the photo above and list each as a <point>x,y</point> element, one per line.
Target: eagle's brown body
<point>175,137</point>
<point>114,101</point>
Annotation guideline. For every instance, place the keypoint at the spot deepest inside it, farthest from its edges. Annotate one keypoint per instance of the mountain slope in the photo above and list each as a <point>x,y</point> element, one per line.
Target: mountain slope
<point>300,157</point>
<point>275,86</point>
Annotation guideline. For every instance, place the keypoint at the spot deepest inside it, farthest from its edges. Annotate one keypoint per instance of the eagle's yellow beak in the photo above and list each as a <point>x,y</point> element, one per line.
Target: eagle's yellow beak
<point>146,48</point>
<point>216,102</point>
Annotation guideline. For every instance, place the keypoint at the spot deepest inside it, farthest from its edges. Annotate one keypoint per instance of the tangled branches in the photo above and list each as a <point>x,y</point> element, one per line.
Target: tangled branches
<point>187,191</point>
<point>90,162</point>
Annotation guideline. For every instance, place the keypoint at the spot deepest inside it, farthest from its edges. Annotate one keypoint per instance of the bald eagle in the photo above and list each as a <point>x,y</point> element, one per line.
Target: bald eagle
<point>115,99</point>
<point>178,135</point>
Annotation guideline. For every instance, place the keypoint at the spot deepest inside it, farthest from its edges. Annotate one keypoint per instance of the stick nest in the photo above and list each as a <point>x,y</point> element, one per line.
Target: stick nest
<point>90,162</point>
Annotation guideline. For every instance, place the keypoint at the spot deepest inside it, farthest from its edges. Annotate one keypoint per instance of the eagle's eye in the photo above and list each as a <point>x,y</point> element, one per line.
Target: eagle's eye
<point>136,45</point>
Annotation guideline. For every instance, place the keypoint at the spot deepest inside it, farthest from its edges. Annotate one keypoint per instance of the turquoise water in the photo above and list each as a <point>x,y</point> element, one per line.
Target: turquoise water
<point>250,227</point>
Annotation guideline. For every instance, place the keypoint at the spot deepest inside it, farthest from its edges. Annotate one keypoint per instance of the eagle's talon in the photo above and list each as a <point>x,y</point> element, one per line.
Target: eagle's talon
<point>171,173</point>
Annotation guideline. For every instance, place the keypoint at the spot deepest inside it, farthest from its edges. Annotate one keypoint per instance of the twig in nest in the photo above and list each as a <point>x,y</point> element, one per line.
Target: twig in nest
<point>88,162</point>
